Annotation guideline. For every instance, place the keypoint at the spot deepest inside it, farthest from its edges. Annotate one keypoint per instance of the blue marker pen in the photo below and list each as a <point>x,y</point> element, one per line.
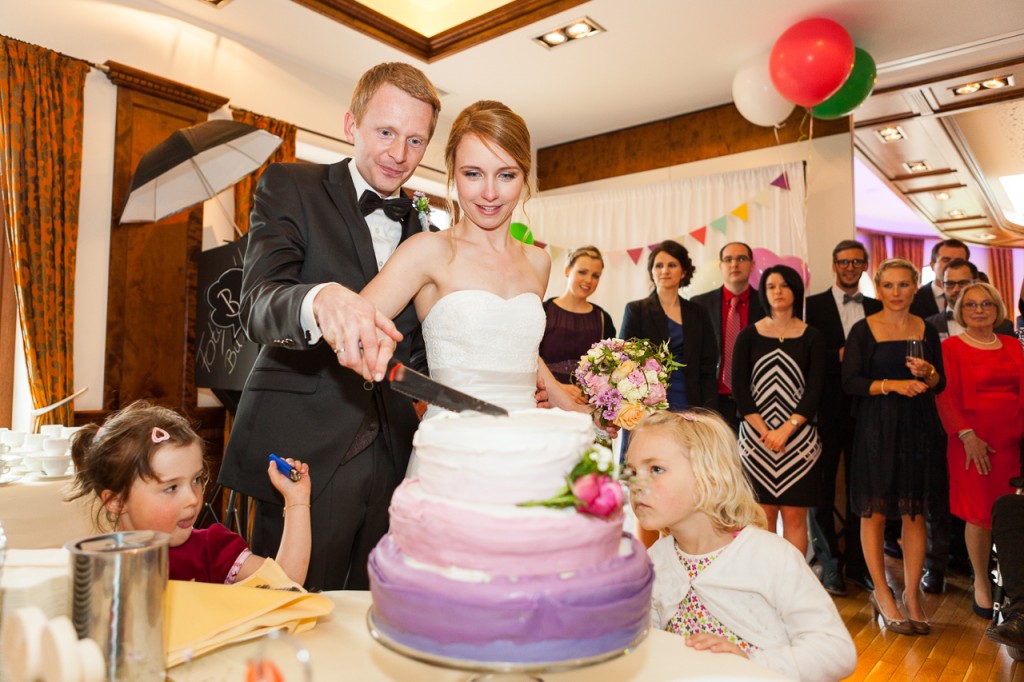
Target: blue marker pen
<point>285,468</point>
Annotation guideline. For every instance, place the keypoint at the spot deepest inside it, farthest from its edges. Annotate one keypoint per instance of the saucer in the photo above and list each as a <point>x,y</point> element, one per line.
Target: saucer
<point>40,476</point>
<point>7,479</point>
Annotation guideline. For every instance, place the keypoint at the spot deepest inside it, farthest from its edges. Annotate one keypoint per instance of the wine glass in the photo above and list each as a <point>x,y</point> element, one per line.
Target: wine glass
<point>915,348</point>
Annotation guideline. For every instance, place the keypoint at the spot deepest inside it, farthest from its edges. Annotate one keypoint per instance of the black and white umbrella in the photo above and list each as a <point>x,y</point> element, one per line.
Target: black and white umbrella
<point>192,165</point>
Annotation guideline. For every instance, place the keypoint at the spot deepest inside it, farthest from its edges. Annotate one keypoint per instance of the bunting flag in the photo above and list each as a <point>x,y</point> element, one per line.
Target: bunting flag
<point>764,197</point>
<point>615,257</point>
<point>700,234</point>
<point>556,253</point>
<point>741,212</point>
<point>635,254</point>
<point>719,224</point>
<point>653,247</point>
<point>539,244</point>
<point>782,181</point>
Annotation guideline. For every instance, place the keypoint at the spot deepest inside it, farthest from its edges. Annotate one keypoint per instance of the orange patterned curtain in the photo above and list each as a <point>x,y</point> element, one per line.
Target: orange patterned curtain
<point>41,105</point>
<point>245,187</point>
<point>910,248</point>
<point>876,251</point>
<point>1002,278</point>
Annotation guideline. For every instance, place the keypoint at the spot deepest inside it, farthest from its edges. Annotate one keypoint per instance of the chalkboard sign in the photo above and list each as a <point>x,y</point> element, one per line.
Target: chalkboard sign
<point>224,354</point>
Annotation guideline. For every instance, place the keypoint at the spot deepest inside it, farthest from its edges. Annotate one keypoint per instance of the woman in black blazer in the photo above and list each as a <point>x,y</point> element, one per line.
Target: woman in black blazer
<point>666,316</point>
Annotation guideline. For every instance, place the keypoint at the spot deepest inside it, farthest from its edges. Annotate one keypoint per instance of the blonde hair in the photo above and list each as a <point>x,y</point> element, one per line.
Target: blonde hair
<point>993,294</point>
<point>496,126</point>
<point>896,263</point>
<point>405,77</point>
<point>583,252</point>
<point>723,492</point>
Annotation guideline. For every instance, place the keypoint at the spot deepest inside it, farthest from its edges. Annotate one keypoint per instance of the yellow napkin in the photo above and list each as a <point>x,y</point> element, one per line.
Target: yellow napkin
<point>202,617</point>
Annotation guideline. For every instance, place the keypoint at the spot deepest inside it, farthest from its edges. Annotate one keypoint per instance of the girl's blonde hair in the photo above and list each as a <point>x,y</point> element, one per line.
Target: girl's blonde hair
<point>722,493</point>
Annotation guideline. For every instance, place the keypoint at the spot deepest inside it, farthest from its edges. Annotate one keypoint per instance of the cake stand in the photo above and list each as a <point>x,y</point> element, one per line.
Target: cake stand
<point>494,671</point>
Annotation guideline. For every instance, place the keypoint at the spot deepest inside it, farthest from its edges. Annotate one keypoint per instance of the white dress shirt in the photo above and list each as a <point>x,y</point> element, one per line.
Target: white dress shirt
<point>385,233</point>
<point>850,313</point>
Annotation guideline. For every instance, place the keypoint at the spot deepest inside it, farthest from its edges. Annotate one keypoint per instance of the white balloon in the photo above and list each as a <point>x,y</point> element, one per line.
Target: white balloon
<point>755,96</point>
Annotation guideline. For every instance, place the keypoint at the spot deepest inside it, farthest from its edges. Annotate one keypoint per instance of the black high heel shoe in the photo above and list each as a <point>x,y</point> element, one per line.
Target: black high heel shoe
<point>920,627</point>
<point>900,627</point>
<point>979,610</point>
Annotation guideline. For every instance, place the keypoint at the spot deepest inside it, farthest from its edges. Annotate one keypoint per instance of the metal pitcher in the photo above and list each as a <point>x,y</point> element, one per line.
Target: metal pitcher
<point>118,585</point>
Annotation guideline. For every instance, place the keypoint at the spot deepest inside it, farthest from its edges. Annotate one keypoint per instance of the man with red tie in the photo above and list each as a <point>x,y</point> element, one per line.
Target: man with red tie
<point>732,307</point>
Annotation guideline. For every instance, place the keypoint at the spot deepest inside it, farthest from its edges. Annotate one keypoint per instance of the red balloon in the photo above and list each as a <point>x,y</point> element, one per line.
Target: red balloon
<point>811,60</point>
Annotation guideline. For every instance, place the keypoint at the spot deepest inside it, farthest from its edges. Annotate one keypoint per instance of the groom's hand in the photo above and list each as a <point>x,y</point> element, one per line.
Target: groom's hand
<point>363,339</point>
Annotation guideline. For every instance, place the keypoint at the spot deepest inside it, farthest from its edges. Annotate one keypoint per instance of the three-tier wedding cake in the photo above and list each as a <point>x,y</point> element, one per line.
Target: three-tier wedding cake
<point>467,573</point>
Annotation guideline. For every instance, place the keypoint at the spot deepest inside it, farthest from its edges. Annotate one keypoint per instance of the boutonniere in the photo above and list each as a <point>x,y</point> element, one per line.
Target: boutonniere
<point>421,203</point>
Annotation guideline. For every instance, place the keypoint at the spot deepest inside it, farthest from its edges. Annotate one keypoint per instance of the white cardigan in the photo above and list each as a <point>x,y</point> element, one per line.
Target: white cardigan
<point>763,591</point>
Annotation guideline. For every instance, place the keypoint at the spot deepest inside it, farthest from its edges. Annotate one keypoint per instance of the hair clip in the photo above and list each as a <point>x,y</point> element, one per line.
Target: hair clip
<point>689,416</point>
<point>159,435</point>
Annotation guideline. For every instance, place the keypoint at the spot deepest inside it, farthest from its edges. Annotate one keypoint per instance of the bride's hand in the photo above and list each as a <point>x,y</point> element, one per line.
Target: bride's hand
<point>541,394</point>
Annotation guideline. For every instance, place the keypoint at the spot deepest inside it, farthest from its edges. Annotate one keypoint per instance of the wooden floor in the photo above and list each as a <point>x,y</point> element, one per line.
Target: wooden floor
<point>956,649</point>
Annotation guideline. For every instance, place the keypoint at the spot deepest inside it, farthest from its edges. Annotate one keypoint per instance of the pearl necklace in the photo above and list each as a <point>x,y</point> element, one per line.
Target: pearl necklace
<point>992,342</point>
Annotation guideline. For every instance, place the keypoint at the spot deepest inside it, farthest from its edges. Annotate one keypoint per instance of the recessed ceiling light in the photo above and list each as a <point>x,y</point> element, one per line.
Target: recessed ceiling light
<point>941,196</point>
<point>891,134</point>
<point>575,30</point>
<point>956,214</point>
<point>987,84</point>
<point>917,166</point>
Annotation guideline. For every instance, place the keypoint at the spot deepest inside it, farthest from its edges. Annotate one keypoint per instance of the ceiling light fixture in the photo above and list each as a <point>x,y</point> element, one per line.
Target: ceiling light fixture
<point>917,166</point>
<point>956,214</point>
<point>575,30</point>
<point>987,84</point>
<point>890,134</point>
<point>941,196</point>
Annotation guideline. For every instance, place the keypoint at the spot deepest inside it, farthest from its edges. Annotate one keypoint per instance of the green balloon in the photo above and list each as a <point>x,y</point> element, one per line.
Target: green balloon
<point>521,232</point>
<point>853,92</point>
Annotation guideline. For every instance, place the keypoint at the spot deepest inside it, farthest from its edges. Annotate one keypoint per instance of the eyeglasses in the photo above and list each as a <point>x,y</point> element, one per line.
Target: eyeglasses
<point>979,305</point>
<point>847,262</point>
<point>736,259</point>
<point>949,284</point>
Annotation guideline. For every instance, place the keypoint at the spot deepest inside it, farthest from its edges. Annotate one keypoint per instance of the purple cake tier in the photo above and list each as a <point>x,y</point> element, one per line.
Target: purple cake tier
<point>595,610</point>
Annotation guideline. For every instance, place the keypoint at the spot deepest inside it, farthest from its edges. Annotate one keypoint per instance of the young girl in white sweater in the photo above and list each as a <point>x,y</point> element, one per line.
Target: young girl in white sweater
<point>721,580</point>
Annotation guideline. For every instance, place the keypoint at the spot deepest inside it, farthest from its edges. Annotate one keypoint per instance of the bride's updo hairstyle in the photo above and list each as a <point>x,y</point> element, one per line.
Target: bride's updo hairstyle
<point>496,126</point>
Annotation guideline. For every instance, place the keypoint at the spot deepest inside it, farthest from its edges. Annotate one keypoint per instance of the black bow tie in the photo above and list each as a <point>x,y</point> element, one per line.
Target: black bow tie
<point>949,314</point>
<point>856,298</point>
<point>396,209</point>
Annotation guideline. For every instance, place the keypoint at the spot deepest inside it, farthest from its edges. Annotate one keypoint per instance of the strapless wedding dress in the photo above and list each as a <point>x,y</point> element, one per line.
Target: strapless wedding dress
<point>486,346</point>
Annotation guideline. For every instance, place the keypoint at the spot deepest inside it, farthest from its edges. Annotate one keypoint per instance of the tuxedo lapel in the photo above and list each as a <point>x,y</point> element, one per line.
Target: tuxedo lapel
<point>342,192</point>
<point>834,332</point>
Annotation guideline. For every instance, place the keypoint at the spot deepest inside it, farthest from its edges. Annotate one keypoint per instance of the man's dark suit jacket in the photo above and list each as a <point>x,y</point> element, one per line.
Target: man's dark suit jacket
<point>298,402</point>
<point>940,322</point>
<point>711,301</point>
<point>923,304</point>
<point>646,319</point>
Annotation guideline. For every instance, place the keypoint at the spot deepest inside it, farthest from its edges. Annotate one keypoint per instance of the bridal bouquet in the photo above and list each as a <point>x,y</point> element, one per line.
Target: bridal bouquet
<point>625,380</point>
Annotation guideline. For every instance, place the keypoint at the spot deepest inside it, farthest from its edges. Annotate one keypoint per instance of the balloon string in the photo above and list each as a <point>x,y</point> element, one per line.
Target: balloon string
<point>807,193</point>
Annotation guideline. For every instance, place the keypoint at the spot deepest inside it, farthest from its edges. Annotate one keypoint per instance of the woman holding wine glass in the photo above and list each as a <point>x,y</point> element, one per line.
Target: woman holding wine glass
<point>892,366</point>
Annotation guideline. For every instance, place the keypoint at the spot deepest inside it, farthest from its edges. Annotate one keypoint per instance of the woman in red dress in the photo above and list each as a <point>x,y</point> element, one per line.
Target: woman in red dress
<point>982,410</point>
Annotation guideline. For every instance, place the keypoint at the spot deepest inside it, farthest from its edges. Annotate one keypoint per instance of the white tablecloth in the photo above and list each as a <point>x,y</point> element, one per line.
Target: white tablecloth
<point>35,516</point>
<point>340,647</point>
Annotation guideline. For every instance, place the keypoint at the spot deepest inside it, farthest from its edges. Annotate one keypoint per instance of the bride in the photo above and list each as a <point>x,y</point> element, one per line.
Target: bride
<point>477,290</point>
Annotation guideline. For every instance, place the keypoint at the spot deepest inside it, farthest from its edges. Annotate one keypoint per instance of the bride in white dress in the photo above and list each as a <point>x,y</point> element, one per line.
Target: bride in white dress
<point>477,290</point>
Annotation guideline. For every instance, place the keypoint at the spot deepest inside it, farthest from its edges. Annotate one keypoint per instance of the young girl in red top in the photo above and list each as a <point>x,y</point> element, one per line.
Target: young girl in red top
<point>146,468</point>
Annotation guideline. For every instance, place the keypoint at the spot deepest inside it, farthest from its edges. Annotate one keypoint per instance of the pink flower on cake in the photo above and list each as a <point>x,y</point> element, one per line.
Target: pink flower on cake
<point>624,380</point>
<point>592,486</point>
<point>600,495</point>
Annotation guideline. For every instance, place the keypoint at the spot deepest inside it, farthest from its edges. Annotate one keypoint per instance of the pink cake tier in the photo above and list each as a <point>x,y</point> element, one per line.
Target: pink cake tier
<point>534,619</point>
<point>499,539</point>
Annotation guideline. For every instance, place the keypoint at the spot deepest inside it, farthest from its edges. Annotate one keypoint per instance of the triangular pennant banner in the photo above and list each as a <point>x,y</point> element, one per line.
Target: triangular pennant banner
<point>781,181</point>
<point>556,252</point>
<point>700,234</point>
<point>615,257</point>
<point>719,224</point>
<point>635,254</point>
<point>741,212</point>
<point>764,197</point>
<point>652,247</point>
<point>539,244</point>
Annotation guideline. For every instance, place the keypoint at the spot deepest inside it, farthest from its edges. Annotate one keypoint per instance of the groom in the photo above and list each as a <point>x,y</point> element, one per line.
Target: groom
<point>319,234</point>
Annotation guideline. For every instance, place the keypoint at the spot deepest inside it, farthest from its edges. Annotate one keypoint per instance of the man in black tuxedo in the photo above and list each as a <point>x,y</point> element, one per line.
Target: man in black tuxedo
<point>930,300</point>
<point>737,262</point>
<point>319,234</point>
<point>833,312</point>
<point>957,275</point>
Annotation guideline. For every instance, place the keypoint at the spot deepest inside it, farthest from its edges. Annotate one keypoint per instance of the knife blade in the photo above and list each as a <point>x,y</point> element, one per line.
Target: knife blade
<point>419,386</point>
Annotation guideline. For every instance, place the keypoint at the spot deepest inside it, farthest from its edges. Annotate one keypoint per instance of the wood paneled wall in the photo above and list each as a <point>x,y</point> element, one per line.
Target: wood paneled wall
<point>683,139</point>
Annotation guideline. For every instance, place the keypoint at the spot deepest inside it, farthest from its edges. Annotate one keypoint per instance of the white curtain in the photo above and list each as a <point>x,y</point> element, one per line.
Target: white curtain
<point>619,220</point>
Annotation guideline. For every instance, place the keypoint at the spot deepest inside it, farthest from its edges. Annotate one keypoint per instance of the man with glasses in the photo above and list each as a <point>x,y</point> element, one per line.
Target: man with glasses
<point>957,275</point>
<point>833,312</point>
<point>732,307</point>
<point>931,300</point>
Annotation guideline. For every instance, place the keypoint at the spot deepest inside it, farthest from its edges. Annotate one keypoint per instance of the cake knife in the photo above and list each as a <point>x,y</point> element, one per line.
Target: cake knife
<point>419,386</point>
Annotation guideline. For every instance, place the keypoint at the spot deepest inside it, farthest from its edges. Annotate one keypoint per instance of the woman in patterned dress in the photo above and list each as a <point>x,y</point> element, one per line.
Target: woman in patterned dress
<point>778,375</point>
<point>721,580</point>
